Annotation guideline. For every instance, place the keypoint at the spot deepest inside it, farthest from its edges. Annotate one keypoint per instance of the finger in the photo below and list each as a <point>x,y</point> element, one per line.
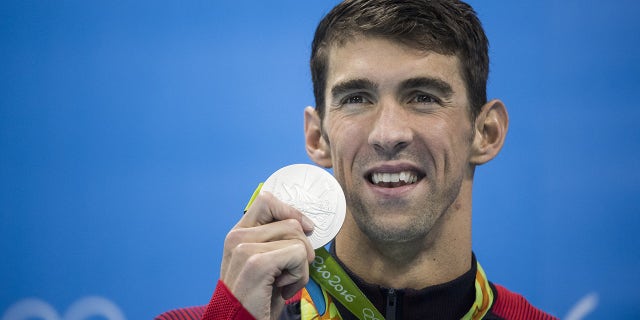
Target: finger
<point>287,292</point>
<point>266,208</point>
<point>256,260</point>
<point>255,281</point>
<point>280,230</point>
<point>292,280</point>
<point>288,284</point>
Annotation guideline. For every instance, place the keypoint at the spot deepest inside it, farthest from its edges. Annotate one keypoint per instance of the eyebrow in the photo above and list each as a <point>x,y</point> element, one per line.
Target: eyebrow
<point>443,87</point>
<point>344,87</point>
<point>347,86</point>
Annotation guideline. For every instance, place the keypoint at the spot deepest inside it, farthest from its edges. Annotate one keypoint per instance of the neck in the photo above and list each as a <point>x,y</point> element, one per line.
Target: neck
<point>443,255</point>
<point>451,300</point>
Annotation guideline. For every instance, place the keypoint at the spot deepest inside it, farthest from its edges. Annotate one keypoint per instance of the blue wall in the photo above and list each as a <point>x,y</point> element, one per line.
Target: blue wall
<point>132,134</point>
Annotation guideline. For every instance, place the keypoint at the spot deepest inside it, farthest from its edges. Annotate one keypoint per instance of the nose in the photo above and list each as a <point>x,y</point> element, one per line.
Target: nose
<point>391,130</point>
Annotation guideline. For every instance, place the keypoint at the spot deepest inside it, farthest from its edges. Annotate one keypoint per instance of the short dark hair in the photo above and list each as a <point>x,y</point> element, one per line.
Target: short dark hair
<point>445,27</point>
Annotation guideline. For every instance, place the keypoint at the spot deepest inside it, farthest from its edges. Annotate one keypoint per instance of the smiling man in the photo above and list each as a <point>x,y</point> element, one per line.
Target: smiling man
<point>402,118</point>
<point>399,137</point>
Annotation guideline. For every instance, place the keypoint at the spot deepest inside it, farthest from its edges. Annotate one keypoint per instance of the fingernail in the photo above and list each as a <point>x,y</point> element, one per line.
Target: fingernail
<point>307,223</point>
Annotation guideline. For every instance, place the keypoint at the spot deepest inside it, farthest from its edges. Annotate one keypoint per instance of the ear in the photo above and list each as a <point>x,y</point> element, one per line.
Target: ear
<point>491,127</point>
<point>316,144</point>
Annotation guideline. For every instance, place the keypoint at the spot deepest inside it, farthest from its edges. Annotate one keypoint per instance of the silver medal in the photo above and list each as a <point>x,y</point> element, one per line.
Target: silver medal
<point>315,193</point>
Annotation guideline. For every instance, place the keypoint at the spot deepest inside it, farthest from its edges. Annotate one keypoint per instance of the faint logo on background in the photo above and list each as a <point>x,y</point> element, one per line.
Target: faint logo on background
<point>583,307</point>
<point>82,309</point>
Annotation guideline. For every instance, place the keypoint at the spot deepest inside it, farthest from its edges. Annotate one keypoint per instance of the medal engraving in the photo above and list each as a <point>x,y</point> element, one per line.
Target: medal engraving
<point>315,193</point>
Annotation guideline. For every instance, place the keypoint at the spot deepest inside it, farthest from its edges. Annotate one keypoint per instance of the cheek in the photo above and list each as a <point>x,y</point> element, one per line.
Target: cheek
<point>345,138</point>
<point>448,141</point>
<point>459,150</point>
<point>436,135</point>
<point>342,150</point>
<point>456,125</point>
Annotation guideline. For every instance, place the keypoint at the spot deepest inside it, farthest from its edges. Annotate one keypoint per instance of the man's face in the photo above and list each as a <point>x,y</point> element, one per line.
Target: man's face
<point>399,133</point>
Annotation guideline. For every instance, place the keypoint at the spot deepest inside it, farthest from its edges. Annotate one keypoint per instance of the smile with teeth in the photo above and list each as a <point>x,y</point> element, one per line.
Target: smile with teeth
<point>393,180</point>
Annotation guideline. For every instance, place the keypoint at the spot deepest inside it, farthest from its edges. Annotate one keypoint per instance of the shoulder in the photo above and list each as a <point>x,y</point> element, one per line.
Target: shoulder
<point>509,305</point>
<point>189,313</point>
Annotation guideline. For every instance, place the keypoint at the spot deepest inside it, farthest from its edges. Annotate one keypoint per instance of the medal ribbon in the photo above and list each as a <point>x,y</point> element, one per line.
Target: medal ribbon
<point>484,297</point>
<point>253,196</point>
<point>326,272</point>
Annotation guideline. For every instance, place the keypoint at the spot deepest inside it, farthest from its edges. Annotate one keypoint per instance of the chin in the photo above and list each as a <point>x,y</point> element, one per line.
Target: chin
<point>383,232</point>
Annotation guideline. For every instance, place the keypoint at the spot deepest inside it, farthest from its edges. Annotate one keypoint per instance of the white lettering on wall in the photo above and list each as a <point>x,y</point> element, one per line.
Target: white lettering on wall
<point>80,310</point>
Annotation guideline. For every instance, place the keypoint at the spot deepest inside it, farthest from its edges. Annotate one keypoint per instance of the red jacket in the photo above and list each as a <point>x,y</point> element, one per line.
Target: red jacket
<point>223,305</point>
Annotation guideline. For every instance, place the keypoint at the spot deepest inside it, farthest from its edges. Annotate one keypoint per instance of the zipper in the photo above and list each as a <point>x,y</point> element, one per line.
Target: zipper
<point>392,300</point>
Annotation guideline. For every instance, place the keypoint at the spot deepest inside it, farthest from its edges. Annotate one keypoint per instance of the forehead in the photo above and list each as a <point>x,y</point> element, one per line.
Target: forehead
<point>387,62</point>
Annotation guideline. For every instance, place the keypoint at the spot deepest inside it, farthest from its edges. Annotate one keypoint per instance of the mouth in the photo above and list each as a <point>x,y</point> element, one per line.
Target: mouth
<point>394,179</point>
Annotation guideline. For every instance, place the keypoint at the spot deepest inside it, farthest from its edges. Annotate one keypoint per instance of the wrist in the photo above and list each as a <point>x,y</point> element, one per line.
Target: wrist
<point>224,305</point>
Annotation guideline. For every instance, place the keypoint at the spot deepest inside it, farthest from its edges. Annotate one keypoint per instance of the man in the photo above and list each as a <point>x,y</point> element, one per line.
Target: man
<point>402,118</point>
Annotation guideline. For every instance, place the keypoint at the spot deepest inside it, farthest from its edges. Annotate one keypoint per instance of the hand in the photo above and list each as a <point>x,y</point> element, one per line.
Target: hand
<point>266,256</point>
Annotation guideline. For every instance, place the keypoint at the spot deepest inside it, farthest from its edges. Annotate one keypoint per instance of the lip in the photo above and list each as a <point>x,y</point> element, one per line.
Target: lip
<point>393,167</point>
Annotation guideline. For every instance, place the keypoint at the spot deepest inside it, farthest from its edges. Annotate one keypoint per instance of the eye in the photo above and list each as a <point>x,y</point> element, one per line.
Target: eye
<point>424,98</point>
<point>354,102</point>
<point>354,99</point>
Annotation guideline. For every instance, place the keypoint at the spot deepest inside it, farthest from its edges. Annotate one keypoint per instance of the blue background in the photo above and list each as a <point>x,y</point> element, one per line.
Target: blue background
<point>133,133</point>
